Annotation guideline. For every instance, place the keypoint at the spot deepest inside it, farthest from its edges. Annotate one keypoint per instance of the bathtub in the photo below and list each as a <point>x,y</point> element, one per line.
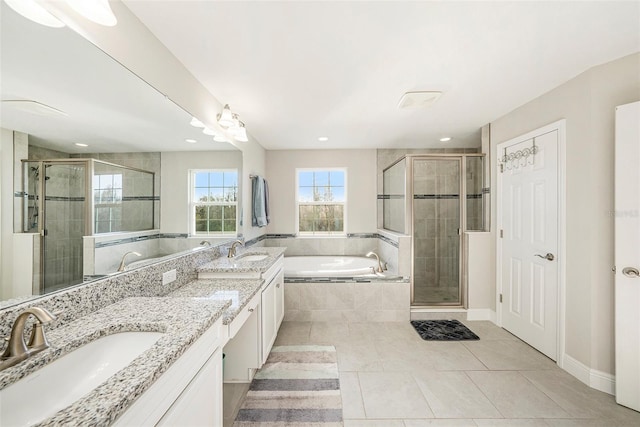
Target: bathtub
<point>329,266</point>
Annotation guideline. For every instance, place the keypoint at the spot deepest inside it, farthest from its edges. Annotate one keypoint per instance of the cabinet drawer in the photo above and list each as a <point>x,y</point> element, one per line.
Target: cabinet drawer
<point>242,317</point>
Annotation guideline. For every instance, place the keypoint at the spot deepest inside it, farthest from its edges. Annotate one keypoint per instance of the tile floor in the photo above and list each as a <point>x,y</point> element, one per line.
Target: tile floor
<point>391,378</point>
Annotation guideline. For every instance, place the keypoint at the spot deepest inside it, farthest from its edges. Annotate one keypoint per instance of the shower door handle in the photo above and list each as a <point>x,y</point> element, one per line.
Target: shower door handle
<point>548,257</point>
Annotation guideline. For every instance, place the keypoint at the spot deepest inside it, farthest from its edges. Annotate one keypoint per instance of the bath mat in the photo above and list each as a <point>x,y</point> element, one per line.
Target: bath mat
<point>443,330</point>
<point>298,386</point>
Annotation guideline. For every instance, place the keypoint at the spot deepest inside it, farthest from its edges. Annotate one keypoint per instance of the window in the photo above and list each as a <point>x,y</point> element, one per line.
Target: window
<point>321,197</point>
<point>107,198</point>
<point>214,201</point>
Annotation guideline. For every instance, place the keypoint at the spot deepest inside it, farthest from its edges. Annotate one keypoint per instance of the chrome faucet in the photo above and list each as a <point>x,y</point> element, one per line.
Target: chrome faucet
<point>122,266</point>
<point>205,243</point>
<point>17,350</point>
<point>379,269</point>
<point>232,249</point>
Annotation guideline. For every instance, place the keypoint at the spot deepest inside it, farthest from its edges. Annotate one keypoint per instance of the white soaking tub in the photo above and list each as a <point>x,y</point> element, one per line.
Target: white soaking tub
<point>329,266</point>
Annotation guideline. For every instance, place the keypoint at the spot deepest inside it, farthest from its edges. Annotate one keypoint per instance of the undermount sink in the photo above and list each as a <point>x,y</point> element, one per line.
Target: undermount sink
<point>252,257</point>
<point>63,381</point>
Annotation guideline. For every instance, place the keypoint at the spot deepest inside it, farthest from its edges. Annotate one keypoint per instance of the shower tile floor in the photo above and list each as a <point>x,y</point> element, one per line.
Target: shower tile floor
<point>390,377</point>
<point>435,294</point>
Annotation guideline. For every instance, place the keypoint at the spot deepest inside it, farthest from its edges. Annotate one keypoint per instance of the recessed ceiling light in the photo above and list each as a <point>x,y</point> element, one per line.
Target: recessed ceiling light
<point>79,144</point>
<point>445,139</point>
<point>419,99</point>
<point>190,141</point>
<point>323,138</point>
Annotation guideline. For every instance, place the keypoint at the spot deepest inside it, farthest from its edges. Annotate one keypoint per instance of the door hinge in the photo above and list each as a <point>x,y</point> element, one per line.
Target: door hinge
<point>500,297</point>
<point>501,233</point>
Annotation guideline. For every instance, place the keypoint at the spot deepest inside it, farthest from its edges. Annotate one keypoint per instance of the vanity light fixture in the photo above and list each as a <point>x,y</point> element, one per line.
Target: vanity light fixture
<point>226,118</point>
<point>80,144</point>
<point>97,11</point>
<point>190,141</point>
<point>31,10</point>
<point>196,123</point>
<point>208,131</point>
<point>323,138</point>
<point>220,138</point>
<point>241,133</point>
<point>445,139</point>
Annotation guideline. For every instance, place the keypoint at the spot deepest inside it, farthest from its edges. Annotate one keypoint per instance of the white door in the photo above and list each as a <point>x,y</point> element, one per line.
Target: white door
<point>627,256</point>
<point>528,220</point>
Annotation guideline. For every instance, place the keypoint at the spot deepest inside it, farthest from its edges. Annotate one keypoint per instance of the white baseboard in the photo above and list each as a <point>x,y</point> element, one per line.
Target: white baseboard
<point>595,379</point>
<point>481,314</point>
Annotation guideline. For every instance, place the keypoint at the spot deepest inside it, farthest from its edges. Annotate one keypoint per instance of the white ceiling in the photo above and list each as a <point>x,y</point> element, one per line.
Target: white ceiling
<point>296,71</point>
<point>109,108</point>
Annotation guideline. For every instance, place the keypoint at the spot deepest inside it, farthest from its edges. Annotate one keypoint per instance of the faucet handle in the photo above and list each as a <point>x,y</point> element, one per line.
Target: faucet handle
<point>38,340</point>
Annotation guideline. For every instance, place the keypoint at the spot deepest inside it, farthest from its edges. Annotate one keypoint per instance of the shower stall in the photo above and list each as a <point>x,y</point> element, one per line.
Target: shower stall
<point>436,199</point>
<point>67,199</point>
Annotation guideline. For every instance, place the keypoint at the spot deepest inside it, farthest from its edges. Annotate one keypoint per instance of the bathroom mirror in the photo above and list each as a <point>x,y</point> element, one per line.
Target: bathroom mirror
<point>64,100</point>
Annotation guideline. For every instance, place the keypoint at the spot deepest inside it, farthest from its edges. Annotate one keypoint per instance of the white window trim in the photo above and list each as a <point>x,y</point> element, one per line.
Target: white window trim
<point>344,204</point>
<point>192,203</point>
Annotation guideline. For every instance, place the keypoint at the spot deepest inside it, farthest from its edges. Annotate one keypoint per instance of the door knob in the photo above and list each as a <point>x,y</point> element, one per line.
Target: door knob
<point>548,257</point>
<point>631,272</point>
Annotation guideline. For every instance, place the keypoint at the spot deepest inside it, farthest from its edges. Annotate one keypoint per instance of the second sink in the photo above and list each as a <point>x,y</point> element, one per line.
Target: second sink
<point>63,381</point>
<point>252,257</point>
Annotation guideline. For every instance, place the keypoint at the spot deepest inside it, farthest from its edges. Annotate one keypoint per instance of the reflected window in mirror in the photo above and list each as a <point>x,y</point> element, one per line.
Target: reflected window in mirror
<point>214,202</point>
<point>107,191</point>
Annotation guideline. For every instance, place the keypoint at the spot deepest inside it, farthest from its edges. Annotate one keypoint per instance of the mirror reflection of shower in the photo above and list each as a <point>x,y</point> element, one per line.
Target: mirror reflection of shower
<point>68,199</point>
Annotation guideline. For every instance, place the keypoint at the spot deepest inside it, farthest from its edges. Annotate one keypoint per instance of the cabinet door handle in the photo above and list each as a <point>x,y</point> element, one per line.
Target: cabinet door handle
<point>251,310</point>
<point>278,285</point>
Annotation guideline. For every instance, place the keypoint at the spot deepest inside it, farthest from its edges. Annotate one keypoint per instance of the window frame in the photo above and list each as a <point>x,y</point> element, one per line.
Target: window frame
<point>193,203</point>
<point>342,233</point>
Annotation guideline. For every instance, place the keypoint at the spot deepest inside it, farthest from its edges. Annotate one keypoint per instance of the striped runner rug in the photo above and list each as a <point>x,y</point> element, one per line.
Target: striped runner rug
<point>298,386</point>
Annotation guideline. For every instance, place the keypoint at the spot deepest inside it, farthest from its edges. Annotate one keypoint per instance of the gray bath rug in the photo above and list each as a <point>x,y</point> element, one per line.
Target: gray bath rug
<point>298,386</point>
<point>443,330</point>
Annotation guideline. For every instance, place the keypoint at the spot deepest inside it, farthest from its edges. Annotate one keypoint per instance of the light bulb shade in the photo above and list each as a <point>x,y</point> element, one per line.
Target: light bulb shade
<point>208,131</point>
<point>34,12</point>
<point>225,119</point>
<point>97,11</point>
<point>220,138</point>
<point>196,123</point>
<point>240,134</point>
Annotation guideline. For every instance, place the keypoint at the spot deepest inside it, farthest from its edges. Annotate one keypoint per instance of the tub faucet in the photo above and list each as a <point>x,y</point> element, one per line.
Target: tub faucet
<point>205,243</point>
<point>232,249</point>
<point>122,266</point>
<point>17,350</point>
<point>379,269</point>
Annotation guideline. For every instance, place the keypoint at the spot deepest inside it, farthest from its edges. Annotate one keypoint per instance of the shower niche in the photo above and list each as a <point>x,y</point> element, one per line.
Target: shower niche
<point>436,199</point>
<point>65,200</point>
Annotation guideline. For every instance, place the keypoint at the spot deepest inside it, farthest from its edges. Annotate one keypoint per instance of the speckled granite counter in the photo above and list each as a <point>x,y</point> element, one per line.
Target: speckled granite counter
<point>183,321</point>
<point>239,291</point>
<point>238,265</point>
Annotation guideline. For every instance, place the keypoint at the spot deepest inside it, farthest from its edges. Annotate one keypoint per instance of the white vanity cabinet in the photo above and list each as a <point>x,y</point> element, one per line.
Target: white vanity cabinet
<point>189,392</point>
<point>272,312</point>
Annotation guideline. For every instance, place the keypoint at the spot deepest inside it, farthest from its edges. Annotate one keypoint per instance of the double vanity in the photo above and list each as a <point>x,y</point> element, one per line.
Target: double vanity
<point>154,360</point>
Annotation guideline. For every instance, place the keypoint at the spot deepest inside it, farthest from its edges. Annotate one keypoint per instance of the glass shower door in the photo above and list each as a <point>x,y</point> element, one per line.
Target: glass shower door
<point>63,224</point>
<point>436,231</point>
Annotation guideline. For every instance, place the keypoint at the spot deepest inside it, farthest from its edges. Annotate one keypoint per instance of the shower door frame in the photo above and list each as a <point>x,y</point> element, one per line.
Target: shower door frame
<point>409,224</point>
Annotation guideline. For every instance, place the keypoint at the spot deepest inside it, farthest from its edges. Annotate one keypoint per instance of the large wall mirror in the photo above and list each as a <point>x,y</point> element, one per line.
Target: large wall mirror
<point>96,164</point>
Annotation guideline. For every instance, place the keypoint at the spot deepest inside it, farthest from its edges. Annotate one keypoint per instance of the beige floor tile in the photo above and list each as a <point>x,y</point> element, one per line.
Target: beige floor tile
<point>509,355</point>
<point>579,400</point>
<point>328,332</point>
<point>488,331</point>
<point>514,396</point>
<point>392,395</point>
<point>352,405</point>
<point>440,423</point>
<point>292,333</point>
<point>454,395</point>
<point>358,357</point>
<point>452,356</point>
<point>591,423</point>
<point>373,423</point>
<point>233,395</point>
<point>511,423</point>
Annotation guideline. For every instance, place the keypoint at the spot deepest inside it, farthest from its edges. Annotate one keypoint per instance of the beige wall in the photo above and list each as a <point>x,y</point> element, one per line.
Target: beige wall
<point>587,103</point>
<point>174,209</point>
<point>361,185</point>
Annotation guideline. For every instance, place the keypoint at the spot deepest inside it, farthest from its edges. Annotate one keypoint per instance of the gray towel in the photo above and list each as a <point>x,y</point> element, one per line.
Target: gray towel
<point>259,214</point>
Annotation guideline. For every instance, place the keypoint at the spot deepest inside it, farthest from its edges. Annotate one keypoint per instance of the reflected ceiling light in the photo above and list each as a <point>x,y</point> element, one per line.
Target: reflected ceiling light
<point>33,107</point>
<point>190,141</point>
<point>240,133</point>
<point>196,123</point>
<point>30,9</point>
<point>226,118</point>
<point>208,131</point>
<point>445,139</point>
<point>97,11</point>
<point>323,138</point>
<point>79,144</point>
<point>419,99</point>
<point>220,138</point>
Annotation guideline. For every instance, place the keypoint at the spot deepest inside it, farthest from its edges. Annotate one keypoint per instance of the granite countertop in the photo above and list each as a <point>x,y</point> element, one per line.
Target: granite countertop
<point>239,291</point>
<point>183,321</point>
<point>237,265</point>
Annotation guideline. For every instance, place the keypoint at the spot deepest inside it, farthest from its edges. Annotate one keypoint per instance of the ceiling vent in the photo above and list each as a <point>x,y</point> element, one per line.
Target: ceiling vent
<point>419,99</point>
